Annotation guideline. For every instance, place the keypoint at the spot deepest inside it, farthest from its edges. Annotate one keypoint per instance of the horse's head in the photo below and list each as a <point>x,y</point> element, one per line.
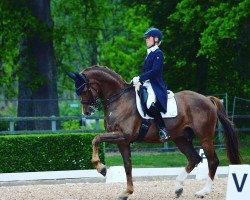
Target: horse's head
<point>87,92</point>
<point>96,82</point>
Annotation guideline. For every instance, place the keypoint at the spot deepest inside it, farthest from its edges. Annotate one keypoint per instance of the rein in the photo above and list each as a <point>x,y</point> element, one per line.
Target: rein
<point>116,96</point>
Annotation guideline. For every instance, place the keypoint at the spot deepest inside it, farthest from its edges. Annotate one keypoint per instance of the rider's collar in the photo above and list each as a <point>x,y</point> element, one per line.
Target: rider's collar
<point>153,48</point>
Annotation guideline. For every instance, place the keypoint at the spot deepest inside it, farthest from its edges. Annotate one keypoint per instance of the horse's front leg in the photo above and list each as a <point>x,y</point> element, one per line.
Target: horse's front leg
<point>113,137</point>
<point>126,155</point>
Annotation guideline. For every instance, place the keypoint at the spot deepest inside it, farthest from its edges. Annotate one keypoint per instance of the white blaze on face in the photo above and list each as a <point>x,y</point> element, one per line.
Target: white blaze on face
<point>82,110</point>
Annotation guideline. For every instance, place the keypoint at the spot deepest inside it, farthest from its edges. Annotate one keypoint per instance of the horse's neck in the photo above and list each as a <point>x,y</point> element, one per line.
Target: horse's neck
<point>109,85</point>
<point>111,88</point>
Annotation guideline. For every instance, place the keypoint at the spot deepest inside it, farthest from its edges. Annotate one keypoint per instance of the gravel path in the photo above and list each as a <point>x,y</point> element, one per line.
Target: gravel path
<point>155,190</point>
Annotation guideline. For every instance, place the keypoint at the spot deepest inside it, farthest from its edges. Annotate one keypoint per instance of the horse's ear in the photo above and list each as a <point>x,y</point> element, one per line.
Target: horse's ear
<point>81,77</point>
<point>72,76</point>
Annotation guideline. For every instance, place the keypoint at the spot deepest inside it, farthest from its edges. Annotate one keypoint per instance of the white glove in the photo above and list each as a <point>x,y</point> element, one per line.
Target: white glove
<point>137,86</point>
<point>135,80</point>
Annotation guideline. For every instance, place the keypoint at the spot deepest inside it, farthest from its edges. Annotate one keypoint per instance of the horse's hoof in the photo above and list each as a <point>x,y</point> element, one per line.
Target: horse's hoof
<point>103,171</point>
<point>178,192</point>
<point>200,194</point>
<point>123,198</point>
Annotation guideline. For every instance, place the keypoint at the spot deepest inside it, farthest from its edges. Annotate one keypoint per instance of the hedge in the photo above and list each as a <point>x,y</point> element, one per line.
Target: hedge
<point>47,152</point>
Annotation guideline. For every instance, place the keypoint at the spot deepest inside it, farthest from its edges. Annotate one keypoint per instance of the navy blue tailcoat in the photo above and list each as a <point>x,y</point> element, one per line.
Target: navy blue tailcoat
<point>153,71</point>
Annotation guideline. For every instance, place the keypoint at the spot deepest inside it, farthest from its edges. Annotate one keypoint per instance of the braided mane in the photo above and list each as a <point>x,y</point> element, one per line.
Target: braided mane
<point>106,70</point>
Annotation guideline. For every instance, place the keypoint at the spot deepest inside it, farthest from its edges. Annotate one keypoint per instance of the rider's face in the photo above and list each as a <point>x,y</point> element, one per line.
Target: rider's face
<point>149,41</point>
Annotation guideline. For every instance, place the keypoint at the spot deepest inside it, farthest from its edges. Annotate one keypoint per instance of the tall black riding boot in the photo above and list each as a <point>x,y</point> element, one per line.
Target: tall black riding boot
<point>163,133</point>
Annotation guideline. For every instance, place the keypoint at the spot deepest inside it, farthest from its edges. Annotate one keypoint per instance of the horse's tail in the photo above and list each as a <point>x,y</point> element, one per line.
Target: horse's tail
<point>231,139</point>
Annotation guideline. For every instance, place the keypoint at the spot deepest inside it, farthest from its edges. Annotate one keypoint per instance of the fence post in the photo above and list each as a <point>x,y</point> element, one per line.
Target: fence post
<point>220,133</point>
<point>53,124</point>
<point>165,145</point>
<point>219,125</point>
<point>233,112</point>
<point>97,125</point>
<point>12,126</point>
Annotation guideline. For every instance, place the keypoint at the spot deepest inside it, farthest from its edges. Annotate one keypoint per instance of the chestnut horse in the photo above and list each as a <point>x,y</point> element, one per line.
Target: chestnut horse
<point>197,116</point>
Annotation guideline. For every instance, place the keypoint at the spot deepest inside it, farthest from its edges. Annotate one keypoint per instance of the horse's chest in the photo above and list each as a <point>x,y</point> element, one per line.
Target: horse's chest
<point>110,121</point>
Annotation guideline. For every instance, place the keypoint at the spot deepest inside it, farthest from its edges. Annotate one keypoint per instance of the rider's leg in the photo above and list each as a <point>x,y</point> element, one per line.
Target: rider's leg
<point>155,113</point>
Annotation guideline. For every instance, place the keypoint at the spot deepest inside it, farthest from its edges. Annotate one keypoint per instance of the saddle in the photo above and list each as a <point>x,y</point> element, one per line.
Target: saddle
<point>141,103</point>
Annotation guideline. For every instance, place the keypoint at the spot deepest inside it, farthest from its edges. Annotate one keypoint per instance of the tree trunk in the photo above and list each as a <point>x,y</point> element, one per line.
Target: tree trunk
<point>94,53</point>
<point>202,74</point>
<point>37,74</point>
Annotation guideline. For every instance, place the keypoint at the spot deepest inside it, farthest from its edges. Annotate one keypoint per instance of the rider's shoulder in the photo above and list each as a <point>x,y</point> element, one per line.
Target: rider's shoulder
<point>158,52</point>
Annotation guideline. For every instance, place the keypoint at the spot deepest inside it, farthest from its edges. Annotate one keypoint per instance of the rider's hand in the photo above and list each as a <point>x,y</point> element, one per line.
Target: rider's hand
<point>136,80</point>
<point>137,86</point>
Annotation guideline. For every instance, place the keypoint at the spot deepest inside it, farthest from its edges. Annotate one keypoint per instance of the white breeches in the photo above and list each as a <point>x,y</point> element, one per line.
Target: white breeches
<point>151,94</point>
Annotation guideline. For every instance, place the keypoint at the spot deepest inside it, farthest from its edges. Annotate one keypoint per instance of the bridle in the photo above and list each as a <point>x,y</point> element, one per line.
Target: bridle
<point>92,101</point>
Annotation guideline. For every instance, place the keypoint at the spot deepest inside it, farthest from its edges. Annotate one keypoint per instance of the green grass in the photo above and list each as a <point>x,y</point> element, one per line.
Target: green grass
<point>168,159</point>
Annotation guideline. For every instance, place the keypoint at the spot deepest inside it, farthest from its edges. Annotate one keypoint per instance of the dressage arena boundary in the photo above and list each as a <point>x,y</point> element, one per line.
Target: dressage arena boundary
<point>92,176</point>
<point>238,179</point>
<point>238,183</point>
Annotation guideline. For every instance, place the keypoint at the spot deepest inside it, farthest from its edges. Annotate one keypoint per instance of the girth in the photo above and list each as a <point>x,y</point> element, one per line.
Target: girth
<point>143,130</point>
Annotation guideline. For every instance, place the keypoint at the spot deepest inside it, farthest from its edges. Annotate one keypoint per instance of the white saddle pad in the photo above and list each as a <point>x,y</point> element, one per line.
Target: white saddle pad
<point>171,107</point>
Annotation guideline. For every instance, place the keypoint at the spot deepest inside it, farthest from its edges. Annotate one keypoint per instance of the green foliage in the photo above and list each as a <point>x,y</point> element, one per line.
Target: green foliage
<point>125,51</point>
<point>77,35</point>
<point>144,154</point>
<point>71,125</point>
<point>149,160</point>
<point>6,111</point>
<point>222,23</point>
<point>17,23</point>
<point>70,108</point>
<point>46,152</point>
<point>76,125</point>
<point>169,159</point>
<point>98,36</point>
<point>210,35</point>
<point>9,40</point>
<point>4,126</point>
<point>205,42</point>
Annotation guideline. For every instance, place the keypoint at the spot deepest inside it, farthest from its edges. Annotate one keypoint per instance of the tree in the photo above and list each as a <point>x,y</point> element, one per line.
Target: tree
<point>216,33</point>
<point>206,44</point>
<point>10,34</point>
<point>77,36</point>
<point>37,88</point>
<point>98,32</point>
<point>125,50</point>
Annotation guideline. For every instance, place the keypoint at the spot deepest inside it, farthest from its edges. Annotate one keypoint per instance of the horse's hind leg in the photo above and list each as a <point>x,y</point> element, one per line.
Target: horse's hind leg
<point>213,163</point>
<point>186,147</point>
